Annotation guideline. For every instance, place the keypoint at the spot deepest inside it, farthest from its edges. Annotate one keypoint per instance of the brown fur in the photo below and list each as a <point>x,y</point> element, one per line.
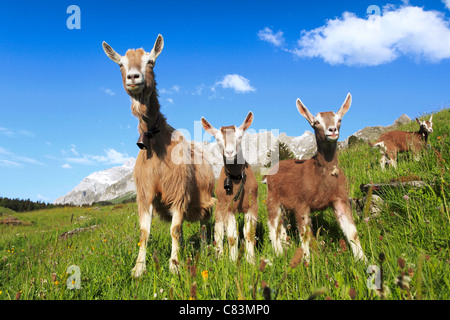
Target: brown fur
<point>394,142</point>
<point>185,188</point>
<point>227,207</point>
<point>304,186</point>
<point>248,200</point>
<point>315,185</point>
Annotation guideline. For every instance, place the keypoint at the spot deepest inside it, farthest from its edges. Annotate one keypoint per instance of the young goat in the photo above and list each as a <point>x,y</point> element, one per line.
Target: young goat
<point>303,186</point>
<point>167,179</point>
<point>393,142</point>
<point>236,190</point>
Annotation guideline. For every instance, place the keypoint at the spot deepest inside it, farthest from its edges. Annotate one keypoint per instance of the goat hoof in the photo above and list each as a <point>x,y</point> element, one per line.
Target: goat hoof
<point>250,259</point>
<point>138,270</point>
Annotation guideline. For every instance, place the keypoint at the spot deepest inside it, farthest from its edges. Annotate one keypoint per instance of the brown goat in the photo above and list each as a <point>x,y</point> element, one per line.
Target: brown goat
<point>304,186</point>
<point>393,142</point>
<point>236,190</point>
<point>167,179</point>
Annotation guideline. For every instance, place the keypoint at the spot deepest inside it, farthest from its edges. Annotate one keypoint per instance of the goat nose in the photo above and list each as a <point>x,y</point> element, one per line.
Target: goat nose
<point>229,153</point>
<point>133,76</point>
<point>332,129</point>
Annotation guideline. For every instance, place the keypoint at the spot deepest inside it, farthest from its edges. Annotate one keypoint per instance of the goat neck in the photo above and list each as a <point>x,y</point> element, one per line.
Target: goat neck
<point>235,168</point>
<point>326,153</point>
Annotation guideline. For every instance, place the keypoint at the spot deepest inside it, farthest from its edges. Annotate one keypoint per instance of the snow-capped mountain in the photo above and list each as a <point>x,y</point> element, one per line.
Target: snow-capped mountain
<point>102,185</point>
<point>118,181</point>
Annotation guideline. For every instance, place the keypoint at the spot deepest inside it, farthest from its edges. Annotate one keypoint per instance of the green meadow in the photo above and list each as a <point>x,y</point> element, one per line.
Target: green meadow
<point>407,244</point>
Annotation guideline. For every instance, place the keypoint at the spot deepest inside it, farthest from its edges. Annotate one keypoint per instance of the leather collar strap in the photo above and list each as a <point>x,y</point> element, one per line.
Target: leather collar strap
<point>241,177</point>
<point>144,138</point>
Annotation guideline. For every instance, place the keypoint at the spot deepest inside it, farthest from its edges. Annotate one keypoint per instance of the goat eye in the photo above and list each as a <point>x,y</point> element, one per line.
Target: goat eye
<point>151,62</point>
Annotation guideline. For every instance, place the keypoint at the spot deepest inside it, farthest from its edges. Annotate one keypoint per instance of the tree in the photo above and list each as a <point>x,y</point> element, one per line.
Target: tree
<point>284,153</point>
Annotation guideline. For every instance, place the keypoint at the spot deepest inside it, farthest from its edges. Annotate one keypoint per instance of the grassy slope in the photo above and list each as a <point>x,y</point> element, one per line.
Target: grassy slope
<point>6,211</point>
<point>33,261</point>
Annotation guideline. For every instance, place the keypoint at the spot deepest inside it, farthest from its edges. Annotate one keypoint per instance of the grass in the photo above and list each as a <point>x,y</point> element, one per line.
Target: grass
<point>409,242</point>
<point>6,211</point>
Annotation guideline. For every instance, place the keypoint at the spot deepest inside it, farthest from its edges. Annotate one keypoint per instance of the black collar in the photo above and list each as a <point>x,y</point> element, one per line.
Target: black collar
<point>238,177</point>
<point>144,138</point>
<point>229,175</point>
<point>228,184</point>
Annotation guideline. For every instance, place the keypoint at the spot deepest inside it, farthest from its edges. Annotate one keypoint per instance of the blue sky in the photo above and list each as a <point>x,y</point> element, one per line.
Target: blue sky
<point>64,113</point>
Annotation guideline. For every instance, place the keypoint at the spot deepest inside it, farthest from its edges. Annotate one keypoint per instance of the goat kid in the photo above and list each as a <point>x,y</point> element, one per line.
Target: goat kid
<point>168,180</point>
<point>394,142</point>
<point>236,191</point>
<point>304,186</point>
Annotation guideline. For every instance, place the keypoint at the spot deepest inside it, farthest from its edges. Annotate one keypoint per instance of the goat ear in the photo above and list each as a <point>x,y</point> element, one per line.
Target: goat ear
<point>418,121</point>
<point>209,128</point>
<point>305,112</point>
<point>247,122</point>
<point>345,106</point>
<point>431,119</point>
<point>157,47</point>
<point>113,55</point>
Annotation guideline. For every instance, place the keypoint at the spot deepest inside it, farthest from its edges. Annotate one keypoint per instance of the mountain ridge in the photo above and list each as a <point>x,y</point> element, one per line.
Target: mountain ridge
<point>118,181</point>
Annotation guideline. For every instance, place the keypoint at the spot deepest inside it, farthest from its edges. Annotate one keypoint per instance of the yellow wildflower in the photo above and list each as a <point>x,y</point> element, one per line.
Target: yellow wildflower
<point>205,274</point>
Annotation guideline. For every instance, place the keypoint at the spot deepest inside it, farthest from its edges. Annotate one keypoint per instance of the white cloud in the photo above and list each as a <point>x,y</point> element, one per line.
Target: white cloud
<point>198,90</point>
<point>404,31</point>
<point>10,159</point>
<point>111,157</point>
<point>107,91</point>
<point>84,160</point>
<point>6,132</point>
<point>42,198</point>
<point>12,133</point>
<point>236,82</point>
<point>66,166</point>
<point>9,164</point>
<point>268,35</point>
<point>75,152</point>
<point>447,3</point>
<point>169,100</point>
<point>172,90</point>
<point>27,133</point>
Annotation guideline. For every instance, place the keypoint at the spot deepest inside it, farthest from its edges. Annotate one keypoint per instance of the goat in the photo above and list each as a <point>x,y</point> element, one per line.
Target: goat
<point>167,181</point>
<point>393,142</point>
<point>303,186</point>
<point>236,190</point>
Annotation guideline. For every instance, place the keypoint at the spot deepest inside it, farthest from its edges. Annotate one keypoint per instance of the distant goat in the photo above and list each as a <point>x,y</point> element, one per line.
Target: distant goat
<point>236,191</point>
<point>393,142</point>
<point>304,186</point>
<point>167,179</point>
